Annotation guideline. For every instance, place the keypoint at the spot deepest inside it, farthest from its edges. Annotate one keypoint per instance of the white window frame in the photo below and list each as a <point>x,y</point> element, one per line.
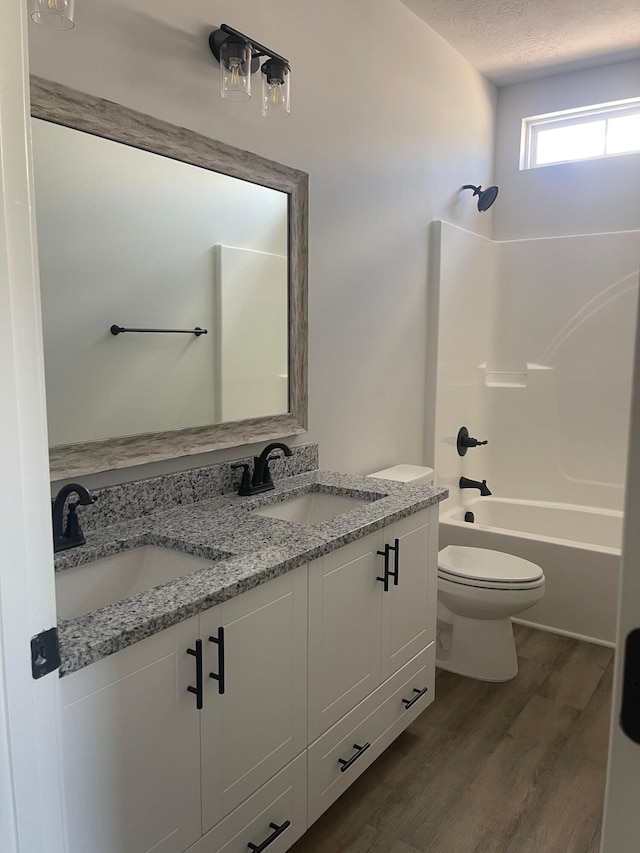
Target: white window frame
<point>532,125</point>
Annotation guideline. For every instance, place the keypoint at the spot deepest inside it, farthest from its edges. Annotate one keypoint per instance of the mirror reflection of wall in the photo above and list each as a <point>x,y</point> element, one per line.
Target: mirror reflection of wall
<point>131,238</point>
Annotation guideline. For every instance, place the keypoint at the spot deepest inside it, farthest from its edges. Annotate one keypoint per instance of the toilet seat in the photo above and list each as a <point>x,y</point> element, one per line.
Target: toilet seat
<point>513,586</point>
<point>487,569</point>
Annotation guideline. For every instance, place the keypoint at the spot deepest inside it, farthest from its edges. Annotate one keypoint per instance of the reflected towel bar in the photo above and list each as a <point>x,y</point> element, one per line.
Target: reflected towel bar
<point>116,330</point>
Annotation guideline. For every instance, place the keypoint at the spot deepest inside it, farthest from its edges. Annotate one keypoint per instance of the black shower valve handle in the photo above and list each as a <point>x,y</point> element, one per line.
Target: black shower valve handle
<point>464,441</point>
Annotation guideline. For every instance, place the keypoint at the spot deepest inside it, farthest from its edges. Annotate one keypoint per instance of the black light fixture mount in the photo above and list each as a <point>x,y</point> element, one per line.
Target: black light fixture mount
<point>239,57</point>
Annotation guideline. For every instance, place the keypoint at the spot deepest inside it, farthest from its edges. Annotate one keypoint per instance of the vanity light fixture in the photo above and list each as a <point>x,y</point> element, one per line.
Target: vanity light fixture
<point>53,14</point>
<point>239,57</point>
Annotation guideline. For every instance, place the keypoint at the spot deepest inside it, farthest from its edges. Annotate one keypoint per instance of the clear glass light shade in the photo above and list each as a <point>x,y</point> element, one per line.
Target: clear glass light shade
<point>53,14</point>
<point>276,97</point>
<point>235,71</point>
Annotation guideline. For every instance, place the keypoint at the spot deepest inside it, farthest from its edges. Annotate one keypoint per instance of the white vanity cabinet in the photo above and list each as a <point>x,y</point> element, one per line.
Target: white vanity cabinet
<point>235,729</point>
<point>145,769</point>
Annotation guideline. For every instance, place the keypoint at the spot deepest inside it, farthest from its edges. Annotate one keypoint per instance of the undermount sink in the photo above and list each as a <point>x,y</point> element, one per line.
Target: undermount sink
<point>93,585</point>
<point>311,508</point>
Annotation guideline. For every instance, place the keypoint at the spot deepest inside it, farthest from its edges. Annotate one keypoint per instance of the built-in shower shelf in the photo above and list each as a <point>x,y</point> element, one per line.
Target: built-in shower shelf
<point>505,379</point>
<point>510,378</point>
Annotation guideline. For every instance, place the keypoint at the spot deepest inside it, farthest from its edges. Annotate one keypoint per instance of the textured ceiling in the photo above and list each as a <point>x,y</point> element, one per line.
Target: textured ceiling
<point>512,40</point>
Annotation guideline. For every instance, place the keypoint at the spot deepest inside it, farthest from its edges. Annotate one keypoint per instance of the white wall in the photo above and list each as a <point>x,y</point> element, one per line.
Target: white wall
<point>387,144</point>
<point>571,198</point>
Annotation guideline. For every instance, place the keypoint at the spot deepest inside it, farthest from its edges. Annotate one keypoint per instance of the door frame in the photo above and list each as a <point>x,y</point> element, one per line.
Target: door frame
<point>31,813</point>
<point>621,828</point>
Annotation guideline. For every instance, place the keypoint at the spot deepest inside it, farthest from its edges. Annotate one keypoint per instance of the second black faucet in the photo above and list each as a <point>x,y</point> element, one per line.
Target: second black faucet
<point>261,480</point>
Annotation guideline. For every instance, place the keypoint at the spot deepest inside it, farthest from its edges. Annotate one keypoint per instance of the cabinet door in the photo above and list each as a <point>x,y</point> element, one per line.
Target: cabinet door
<point>409,608</point>
<point>344,630</point>
<point>259,723</point>
<point>131,748</point>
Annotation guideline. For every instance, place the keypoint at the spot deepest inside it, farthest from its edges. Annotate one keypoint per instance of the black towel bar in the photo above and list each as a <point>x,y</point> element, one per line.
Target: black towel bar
<point>116,330</point>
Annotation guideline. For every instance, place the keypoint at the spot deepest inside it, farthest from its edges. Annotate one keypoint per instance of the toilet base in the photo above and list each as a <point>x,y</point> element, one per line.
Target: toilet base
<point>476,648</point>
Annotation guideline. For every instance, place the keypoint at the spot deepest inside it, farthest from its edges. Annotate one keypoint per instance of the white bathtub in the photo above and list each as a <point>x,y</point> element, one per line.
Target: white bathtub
<point>577,547</point>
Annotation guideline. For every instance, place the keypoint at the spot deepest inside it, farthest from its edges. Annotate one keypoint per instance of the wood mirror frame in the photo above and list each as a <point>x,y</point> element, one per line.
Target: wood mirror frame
<point>59,104</point>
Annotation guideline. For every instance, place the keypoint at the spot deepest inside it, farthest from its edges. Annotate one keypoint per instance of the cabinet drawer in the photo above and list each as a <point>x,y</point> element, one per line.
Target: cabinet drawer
<point>376,721</point>
<point>283,798</point>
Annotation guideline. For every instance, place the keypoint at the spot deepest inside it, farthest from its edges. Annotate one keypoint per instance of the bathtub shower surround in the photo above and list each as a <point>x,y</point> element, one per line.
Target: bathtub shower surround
<point>535,350</point>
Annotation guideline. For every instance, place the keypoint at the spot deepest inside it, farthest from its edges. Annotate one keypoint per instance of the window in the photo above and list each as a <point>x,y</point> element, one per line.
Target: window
<point>602,130</point>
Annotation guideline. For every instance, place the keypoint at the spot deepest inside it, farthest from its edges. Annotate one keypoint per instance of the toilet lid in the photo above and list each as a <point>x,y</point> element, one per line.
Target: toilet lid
<point>482,564</point>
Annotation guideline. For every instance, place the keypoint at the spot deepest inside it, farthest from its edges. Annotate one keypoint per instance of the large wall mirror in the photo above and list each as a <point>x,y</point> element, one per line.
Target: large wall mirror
<point>174,287</point>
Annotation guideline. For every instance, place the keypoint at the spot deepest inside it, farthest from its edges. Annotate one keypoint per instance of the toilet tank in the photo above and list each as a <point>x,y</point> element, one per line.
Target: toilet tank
<point>406,474</point>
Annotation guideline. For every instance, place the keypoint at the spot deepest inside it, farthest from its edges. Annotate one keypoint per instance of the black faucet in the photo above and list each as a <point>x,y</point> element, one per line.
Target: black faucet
<point>72,535</point>
<point>475,484</point>
<point>261,480</point>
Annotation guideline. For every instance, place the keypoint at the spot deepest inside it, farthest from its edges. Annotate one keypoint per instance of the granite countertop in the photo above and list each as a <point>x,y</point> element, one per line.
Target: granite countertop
<point>247,549</point>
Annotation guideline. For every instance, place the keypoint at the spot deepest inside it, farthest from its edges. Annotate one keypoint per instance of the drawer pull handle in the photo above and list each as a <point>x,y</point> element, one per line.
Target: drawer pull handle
<point>220,675</point>
<point>396,561</point>
<point>346,763</point>
<point>277,830</point>
<point>385,577</point>
<point>419,694</point>
<point>197,653</point>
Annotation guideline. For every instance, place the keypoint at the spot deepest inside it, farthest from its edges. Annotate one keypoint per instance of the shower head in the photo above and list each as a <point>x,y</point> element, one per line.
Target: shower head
<point>487,197</point>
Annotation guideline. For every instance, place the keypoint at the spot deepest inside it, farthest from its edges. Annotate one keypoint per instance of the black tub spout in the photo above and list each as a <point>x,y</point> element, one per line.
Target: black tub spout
<point>465,483</point>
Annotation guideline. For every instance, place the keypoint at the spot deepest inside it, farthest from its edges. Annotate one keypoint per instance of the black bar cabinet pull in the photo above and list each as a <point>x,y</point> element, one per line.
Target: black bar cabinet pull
<point>277,831</point>
<point>220,675</point>
<point>346,763</point>
<point>385,579</point>
<point>396,560</point>
<point>197,653</point>
<point>419,694</point>
<point>118,330</point>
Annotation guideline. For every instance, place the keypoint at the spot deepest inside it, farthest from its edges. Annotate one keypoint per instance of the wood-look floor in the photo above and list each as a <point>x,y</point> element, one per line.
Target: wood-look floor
<point>490,768</point>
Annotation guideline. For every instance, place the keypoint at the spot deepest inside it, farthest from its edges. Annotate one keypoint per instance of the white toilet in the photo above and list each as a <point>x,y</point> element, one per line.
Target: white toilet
<point>478,591</point>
